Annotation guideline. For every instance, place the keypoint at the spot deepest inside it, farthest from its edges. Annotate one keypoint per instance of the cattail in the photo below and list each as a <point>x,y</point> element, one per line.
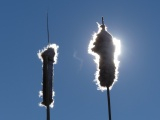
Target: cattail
<point>49,57</point>
<point>48,61</point>
<point>106,50</point>
<point>104,47</point>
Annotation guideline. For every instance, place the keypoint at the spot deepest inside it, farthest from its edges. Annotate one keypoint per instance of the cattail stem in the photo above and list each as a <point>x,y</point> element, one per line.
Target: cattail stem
<point>109,104</point>
<point>48,113</point>
<point>47,29</point>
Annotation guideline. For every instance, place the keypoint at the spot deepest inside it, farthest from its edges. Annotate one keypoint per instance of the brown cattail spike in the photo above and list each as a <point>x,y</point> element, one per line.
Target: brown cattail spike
<point>104,47</point>
<point>48,60</point>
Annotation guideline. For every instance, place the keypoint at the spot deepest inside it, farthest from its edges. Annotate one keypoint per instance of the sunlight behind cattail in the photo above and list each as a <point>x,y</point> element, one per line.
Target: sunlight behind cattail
<point>116,53</point>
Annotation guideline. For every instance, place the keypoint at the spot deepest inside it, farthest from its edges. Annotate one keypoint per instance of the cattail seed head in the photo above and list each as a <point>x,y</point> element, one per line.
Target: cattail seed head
<point>48,56</point>
<point>103,47</point>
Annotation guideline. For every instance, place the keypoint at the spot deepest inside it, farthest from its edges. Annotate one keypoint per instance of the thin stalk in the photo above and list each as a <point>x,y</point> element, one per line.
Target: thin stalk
<point>109,104</point>
<point>47,29</point>
<point>48,113</point>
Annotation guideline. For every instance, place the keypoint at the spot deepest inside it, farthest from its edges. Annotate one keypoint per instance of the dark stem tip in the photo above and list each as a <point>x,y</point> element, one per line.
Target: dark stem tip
<point>103,26</point>
<point>102,21</point>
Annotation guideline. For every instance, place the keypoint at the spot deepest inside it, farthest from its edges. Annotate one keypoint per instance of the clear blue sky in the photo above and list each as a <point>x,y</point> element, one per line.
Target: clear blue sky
<point>72,23</point>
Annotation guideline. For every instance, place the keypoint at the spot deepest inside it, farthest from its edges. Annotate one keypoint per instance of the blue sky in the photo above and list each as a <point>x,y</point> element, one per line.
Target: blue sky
<point>72,24</point>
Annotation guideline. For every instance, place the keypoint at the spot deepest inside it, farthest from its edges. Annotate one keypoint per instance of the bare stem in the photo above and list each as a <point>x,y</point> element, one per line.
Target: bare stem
<point>109,104</point>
